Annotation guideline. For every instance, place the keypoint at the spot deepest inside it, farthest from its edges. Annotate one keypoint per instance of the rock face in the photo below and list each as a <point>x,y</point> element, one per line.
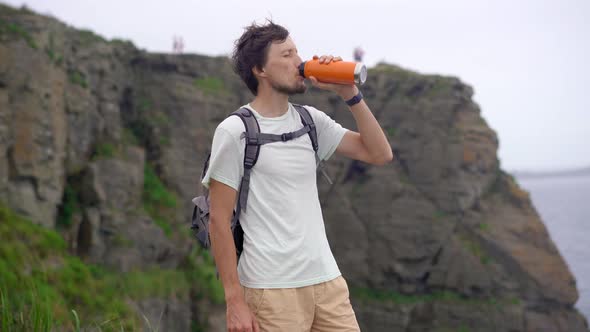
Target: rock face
<point>441,239</point>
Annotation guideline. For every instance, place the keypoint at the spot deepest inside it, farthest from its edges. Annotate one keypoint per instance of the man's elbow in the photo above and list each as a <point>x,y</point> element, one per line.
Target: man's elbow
<point>383,159</point>
<point>218,223</point>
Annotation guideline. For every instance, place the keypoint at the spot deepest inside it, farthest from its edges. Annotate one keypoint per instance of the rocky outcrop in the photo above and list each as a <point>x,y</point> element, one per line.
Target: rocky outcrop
<point>442,239</point>
<point>444,218</point>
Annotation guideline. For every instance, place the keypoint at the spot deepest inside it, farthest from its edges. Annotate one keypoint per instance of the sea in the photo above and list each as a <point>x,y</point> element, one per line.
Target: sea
<point>563,202</point>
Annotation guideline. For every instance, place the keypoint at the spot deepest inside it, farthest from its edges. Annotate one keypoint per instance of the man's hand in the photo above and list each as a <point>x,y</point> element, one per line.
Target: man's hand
<point>345,91</point>
<point>239,316</point>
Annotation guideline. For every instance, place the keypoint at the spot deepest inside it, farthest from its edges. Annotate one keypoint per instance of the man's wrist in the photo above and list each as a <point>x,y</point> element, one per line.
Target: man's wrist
<point>355,99</point>
<point>349,93</point>
<point>233,293</point>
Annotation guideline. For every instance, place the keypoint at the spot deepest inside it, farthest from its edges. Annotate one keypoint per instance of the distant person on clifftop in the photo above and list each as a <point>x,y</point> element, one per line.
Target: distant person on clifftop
<point>177,45</point>
<point>180,45</point>
<point>358,54</point>
<point>286,278</point>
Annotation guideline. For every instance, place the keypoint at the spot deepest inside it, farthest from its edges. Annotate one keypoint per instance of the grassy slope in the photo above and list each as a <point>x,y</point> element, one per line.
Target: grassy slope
<point>43,287</point>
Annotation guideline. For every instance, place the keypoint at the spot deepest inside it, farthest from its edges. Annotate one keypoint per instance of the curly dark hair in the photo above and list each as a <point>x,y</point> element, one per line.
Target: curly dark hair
<point>251,50</point>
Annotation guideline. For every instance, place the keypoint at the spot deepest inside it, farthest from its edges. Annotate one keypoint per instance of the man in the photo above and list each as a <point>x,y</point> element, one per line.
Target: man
<point>287,278</point>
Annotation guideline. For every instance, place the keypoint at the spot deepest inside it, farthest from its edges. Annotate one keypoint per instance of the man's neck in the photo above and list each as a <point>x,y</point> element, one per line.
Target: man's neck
<point>270,103</point>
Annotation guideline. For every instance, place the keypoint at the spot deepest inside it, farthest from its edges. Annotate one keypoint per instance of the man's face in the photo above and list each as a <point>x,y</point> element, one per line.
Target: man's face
<point>282,68</point>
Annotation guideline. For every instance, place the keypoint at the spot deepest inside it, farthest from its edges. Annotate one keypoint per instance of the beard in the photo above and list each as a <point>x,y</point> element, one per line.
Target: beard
<point>289,90</point>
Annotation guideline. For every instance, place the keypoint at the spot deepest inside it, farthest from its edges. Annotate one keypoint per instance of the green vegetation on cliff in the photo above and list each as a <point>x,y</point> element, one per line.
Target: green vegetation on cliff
<point>70,206</point>
<point>365,294</point>
<point>40,284</point>
<point>12,30</point>
<point>211,85</point>
<point>158,201</point>
<point>44,288</point>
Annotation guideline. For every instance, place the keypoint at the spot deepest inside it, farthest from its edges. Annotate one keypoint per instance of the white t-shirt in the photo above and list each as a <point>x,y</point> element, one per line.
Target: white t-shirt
<point>285,243</point>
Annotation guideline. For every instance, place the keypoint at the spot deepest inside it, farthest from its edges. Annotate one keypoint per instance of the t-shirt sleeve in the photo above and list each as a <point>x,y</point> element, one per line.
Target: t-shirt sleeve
<point>330,133</point>
<point>226,162</point>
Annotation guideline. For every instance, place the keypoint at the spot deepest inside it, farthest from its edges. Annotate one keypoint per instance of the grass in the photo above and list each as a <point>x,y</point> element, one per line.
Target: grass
<point>158,201</point>
<point>158,119</point>
<point>149,118</point>
<point>122,41</point>
<point>55,57</point>
<point>475,248</point>
<point>40,283</point>
<point>129,137</point>
<point>439,214</point>
<point>78,78</point>
<point>144,104</point>
<point>15,30</point>
<point>390,131</point>
<point>369,294</point>
<point>43,288</point>
<point>121,241</point>
<point>390,296</point>
<point>70,205</point>
<point>165,141</point>
<point>200,266</point>
<point>484,227</point>
<point>438,86</point>
<point>88,37</point>
<point>105,150</point>
<point>210,85</point>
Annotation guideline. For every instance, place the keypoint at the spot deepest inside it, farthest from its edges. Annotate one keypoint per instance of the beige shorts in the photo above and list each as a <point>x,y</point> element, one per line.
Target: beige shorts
<point>324,307</point>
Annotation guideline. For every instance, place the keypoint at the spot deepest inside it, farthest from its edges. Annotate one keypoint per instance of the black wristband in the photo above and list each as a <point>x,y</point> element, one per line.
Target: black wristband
<point>355,100</point>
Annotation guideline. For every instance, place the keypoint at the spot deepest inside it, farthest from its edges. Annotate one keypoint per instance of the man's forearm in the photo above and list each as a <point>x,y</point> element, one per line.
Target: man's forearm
<point>372,134</point>
<point>224,252</point>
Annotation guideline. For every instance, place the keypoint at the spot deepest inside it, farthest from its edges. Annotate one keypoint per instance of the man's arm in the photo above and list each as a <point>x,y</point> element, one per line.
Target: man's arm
<point>223,199</point>
<point>369,144</point>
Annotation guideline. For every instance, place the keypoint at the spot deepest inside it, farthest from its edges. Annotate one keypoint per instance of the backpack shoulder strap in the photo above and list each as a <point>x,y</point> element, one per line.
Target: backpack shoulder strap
<point>307,120</point>
<point>251,153</point>
<point>252,129</point>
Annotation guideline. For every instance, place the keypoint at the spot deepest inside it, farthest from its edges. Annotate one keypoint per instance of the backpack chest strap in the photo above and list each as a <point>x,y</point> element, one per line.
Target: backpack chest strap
<point>263,138</point>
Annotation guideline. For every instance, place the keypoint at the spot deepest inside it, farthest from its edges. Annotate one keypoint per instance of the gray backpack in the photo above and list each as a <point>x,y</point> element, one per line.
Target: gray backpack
<point>254,140</point>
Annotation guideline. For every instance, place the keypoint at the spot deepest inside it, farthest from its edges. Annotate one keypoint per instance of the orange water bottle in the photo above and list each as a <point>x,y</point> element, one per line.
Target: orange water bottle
<point>339,72</point>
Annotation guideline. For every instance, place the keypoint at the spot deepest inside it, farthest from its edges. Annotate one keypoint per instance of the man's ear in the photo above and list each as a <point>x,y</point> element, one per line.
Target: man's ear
<point>258,72</point>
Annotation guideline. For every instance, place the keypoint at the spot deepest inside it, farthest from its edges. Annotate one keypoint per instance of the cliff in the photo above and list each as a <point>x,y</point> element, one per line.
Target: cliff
<point>104,143</point>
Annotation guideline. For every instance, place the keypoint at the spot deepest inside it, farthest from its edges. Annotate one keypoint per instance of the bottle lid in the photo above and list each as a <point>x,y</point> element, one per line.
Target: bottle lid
<point>360,73</point>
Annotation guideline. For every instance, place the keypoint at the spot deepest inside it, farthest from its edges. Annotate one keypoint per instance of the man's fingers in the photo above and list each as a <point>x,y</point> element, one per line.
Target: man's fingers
<point>321,85</point>
<point>315,82</point>
<point>327,58</point>
<point>255,327</point>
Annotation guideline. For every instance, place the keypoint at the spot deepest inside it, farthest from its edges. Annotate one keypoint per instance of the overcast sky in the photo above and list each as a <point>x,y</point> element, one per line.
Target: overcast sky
<point>527,60</point>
